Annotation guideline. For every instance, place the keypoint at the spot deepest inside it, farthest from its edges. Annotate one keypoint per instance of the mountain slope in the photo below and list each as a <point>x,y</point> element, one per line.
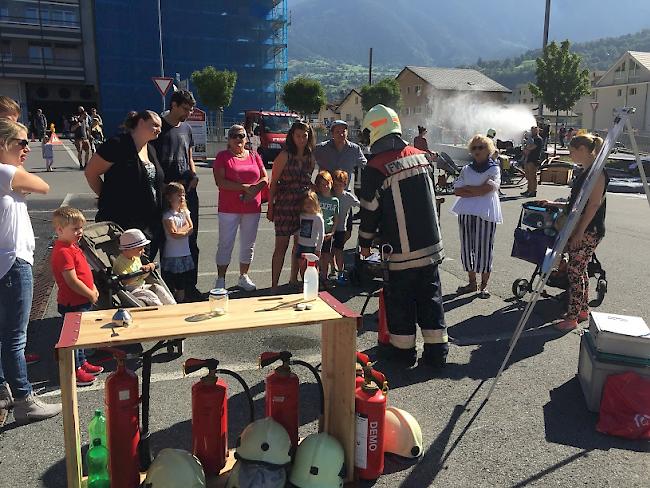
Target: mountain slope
<point>443,33</point>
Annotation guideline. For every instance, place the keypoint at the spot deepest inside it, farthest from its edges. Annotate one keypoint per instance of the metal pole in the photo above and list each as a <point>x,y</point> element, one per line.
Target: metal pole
<point>162,65</point>
<point>370,68</point>
<point>547,16</point>
<point>593,118</point>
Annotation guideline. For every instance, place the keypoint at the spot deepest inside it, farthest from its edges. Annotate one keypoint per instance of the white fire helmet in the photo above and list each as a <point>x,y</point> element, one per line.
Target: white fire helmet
<point>173,468</point>
<point>381,121</point>
<point>319,463</point>
<point>402,434</point>
<point>264,441</point>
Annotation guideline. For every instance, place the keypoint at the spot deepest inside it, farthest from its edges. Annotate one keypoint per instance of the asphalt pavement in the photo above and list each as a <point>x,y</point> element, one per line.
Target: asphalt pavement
<point>534,431</point>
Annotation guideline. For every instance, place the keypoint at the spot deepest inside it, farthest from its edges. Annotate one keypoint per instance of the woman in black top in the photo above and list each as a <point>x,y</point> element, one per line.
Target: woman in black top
<point>130,190</point>
<point>588,232</point>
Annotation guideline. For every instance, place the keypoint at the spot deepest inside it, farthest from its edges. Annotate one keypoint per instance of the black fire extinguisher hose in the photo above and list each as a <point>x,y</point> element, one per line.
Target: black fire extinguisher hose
<point>318,381</point>
<point>144,450</point>
<point>247,390</point>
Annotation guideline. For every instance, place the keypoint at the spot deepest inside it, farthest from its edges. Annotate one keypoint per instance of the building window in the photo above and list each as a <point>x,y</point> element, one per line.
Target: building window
<point>40,54</point>
<point>5,51</point>
<point>31,16</point>
<point>632,91</point>
<point>408,89</point>
<point>620,72</point>
<point>418,109</point>
<point>348,117</point>
<point>429,111</point>
<point>619,92</point>
<point>408,110</point>
<point>418,89</point>
<point>634,69</point>
<point>356,100</point>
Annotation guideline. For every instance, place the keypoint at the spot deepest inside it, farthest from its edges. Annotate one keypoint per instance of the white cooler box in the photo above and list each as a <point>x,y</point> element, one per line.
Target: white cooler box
<point>620,334</point>
<point>594,367</point>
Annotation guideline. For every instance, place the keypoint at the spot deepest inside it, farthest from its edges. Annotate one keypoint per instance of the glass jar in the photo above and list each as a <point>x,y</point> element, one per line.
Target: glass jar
<point>218,301</point>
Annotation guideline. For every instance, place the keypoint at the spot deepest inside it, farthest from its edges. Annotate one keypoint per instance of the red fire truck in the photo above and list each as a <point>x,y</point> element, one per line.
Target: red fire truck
<point>268,131</point>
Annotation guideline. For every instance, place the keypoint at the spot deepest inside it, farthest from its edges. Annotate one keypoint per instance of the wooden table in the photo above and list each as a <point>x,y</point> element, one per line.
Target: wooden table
<point>338,346</point>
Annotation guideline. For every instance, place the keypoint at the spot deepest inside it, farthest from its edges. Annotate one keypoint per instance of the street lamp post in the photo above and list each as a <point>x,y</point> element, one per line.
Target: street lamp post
<point>547,16</point>
<point>162,65</point>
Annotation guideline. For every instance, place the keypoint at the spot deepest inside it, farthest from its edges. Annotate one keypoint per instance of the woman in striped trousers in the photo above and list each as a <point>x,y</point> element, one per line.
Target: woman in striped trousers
<point>479,211</point>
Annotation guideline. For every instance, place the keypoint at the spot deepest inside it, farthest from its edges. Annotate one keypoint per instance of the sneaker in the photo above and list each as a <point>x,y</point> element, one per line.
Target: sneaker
<point>532,194</point>
<point>6,402</point>
<point>31,358</point>
<point>91,368</point>
<point>84,378</point>
<point>566,325</point>
<point>32,409</point>
<point>220,283</point>
<point>583,316</point>
<point>524,193</point>
<point>245,283</point>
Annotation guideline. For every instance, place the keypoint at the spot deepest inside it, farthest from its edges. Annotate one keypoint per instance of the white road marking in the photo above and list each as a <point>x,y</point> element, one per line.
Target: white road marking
<point>177,375</point>
<point>72,155</point>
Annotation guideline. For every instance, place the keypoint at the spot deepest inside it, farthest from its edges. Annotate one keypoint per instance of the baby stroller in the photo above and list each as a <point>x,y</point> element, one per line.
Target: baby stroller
<point>100,244</point>
<point>450,171</point>
<point>535,233</point>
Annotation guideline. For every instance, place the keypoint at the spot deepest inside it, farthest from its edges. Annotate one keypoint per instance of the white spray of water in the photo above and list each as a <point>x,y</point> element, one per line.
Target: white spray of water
<point>461,116</point>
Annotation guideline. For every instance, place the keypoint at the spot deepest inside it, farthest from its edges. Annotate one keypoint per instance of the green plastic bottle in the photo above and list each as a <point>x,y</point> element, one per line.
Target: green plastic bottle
<point>97,428</point>
<point>97,461</point>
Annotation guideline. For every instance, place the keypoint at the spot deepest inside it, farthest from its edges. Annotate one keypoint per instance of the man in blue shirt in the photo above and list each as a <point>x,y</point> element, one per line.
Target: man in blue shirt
<point>339,153</point>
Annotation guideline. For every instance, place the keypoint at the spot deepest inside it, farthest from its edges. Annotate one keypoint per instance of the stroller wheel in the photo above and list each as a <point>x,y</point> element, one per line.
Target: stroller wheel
<point>601,289</point>
<point>520,288</point>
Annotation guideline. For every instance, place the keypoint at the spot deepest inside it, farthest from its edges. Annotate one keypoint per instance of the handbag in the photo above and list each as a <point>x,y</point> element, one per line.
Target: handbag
<point>531,245</point>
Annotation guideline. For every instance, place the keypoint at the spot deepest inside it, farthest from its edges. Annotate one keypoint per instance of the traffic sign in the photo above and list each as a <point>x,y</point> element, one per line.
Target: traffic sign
<point>594,106</point>
<point>162,83</point>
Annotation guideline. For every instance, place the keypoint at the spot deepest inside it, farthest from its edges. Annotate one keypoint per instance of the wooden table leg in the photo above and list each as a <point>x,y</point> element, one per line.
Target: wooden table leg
<point>339,344</point>
<point>70,417</point>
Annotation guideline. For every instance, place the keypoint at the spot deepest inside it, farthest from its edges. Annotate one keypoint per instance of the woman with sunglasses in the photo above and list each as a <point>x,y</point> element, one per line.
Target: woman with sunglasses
<point>16,280</point>
<point>478,210</point>
<point>240,176</point>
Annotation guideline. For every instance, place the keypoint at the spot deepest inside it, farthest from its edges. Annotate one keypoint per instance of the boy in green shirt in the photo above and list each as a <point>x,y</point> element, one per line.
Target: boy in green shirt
<point>329,205</point>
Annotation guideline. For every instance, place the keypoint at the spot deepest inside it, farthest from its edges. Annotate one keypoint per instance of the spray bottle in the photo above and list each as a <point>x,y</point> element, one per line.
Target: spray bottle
<point>310,280</point>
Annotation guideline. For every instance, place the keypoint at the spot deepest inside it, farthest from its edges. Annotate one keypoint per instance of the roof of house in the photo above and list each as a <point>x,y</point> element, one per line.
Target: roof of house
<point>456,79</point>
<point>348,96</point>
<point>640,57</point>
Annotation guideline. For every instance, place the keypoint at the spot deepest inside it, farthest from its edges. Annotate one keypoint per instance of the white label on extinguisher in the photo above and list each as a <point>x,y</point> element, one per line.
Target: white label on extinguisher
<point>361,446</point>
<point>124,395</point>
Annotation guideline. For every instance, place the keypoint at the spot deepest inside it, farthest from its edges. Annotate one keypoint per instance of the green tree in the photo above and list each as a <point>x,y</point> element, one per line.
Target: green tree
<point>561,81</point>
<point>386,92</point>
<point>304,95</point>
<point>215,89</point>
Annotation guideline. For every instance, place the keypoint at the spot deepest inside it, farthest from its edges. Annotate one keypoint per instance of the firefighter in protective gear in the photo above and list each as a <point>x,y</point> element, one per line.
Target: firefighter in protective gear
<point>319,463</point>
<point>173,468</point>
<point>398,208</point>
<point>254,475</point>
<point>402,434</point>
<point>264,441</point>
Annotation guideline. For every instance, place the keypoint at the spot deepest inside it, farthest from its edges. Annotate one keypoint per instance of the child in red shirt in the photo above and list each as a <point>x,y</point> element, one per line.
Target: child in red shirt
<point>77,291</point>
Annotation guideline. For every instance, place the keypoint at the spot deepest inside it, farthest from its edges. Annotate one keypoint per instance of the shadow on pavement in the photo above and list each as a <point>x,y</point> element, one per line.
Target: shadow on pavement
<point>568,422</point>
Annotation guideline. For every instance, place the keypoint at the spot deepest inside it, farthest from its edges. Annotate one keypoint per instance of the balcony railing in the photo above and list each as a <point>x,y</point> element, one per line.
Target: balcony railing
<point>31,21</point>
<point>9,60</point>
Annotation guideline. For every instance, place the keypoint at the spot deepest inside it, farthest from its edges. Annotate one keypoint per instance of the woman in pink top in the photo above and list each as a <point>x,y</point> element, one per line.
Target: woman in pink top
<point>240,176</point>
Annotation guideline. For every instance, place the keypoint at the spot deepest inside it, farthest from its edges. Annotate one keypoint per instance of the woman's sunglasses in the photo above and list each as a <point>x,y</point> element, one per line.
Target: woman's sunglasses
<point>22,142</point>
<point>237,136</point>
<point>477,148</point>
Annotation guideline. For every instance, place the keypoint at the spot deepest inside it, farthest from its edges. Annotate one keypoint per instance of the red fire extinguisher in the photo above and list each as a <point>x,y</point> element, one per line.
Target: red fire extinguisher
<point>383,336</point>
<point>210,413</point>
<point>370,408</point>
<point>122,402</point>
<point>282,391</point>
<point>377,376</point>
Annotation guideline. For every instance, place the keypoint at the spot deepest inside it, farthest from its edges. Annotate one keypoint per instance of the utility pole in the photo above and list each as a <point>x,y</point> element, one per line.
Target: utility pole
<point>547,15</point>
<point>162,64</point>
<point>370,68</point>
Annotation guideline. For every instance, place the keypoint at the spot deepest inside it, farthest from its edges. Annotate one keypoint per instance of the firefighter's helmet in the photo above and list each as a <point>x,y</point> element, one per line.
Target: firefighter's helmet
<point>264,441</point>
<point>319,463</point>
<point>402,434</point>
<point>381,121</point>
<point>491,133</point>
<point>173,468</point>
